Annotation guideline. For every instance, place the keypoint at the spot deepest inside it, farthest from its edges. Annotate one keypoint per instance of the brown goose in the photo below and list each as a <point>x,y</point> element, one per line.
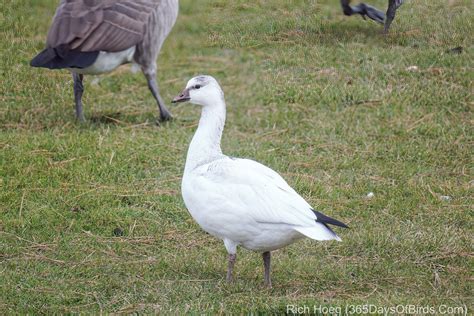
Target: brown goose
<point>97,36</point>
<point>373,13</point>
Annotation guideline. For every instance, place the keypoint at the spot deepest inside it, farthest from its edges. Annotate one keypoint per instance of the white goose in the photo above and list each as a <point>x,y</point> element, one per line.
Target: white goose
<point>241,201</point>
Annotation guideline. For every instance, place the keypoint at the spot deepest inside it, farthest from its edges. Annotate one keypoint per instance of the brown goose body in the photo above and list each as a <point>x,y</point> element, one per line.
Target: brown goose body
<point>97,36</point>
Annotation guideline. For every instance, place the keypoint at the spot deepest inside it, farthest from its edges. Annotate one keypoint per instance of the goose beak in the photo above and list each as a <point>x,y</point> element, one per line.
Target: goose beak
<point>182,97</point>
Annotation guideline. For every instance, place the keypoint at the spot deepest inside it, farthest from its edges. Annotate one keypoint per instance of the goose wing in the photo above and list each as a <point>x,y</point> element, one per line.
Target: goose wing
<point>259,192</point>
<point>100,25</point>
<point>256,192</point>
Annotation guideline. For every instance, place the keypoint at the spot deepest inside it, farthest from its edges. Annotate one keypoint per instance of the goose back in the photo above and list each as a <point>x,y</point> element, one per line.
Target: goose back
<point>100,25</point>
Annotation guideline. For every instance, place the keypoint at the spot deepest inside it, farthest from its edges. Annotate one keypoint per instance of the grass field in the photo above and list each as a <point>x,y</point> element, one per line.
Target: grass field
<point>338,109</point>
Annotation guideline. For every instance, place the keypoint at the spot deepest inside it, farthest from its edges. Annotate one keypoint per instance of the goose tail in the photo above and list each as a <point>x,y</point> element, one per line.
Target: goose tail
<point>322,231</point>
<point>318,232</point>
<point>326,220</point>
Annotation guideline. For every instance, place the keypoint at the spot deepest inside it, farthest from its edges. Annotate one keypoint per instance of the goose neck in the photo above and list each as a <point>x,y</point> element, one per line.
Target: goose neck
<point>205,146</point>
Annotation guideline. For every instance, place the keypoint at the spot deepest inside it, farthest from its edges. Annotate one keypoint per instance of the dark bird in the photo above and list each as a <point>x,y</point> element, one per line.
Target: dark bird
<point>97,36</point>
<point>372,13</point>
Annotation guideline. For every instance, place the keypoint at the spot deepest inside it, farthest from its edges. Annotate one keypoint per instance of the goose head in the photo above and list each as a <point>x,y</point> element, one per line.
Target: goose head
<point>202,90</point>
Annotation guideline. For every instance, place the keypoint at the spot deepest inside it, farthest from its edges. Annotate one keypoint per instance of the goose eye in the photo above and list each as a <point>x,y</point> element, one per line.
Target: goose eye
<point>198,86</point>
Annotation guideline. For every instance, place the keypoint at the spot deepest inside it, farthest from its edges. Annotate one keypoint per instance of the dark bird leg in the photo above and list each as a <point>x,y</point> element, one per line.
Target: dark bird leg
<point>165,115</point>
<point>230,267</point>
<point>392,9</point>
<point>78,90</point>
<point>266,264</point>
<point>364,10</point>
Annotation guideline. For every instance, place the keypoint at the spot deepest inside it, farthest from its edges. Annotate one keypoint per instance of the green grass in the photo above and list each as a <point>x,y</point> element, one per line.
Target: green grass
<point>324,99</point>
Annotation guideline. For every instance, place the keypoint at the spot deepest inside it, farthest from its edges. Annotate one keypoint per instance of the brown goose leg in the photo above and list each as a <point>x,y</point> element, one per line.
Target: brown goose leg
<point>266,264</point>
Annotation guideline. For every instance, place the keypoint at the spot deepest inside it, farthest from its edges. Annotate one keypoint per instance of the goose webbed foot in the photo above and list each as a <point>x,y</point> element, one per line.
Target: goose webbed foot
<point>372,13</point>
<point>165,115</point>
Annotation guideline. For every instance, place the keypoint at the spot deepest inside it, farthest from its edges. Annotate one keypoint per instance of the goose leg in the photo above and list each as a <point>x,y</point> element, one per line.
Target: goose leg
<point>78,90</point>
<point>165,115</point>
<point>392,9</point>
<point>230,267</point>
<point>266,264</point>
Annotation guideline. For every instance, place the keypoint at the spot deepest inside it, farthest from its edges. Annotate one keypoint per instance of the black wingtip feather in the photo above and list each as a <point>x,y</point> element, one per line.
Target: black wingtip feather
<point>321,218</point>
<point>43,58</point>
<point>60,57</point>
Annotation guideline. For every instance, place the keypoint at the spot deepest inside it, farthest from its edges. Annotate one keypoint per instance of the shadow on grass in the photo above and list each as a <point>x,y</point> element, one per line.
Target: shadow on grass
<point>347,32</point>
<point>119,118</point>
<point>112,118</point>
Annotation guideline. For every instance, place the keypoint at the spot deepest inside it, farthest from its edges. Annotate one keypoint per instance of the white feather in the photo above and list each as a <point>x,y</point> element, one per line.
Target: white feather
<point>318,233</point>
<point>107,62</point>
<point>239,200</point>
